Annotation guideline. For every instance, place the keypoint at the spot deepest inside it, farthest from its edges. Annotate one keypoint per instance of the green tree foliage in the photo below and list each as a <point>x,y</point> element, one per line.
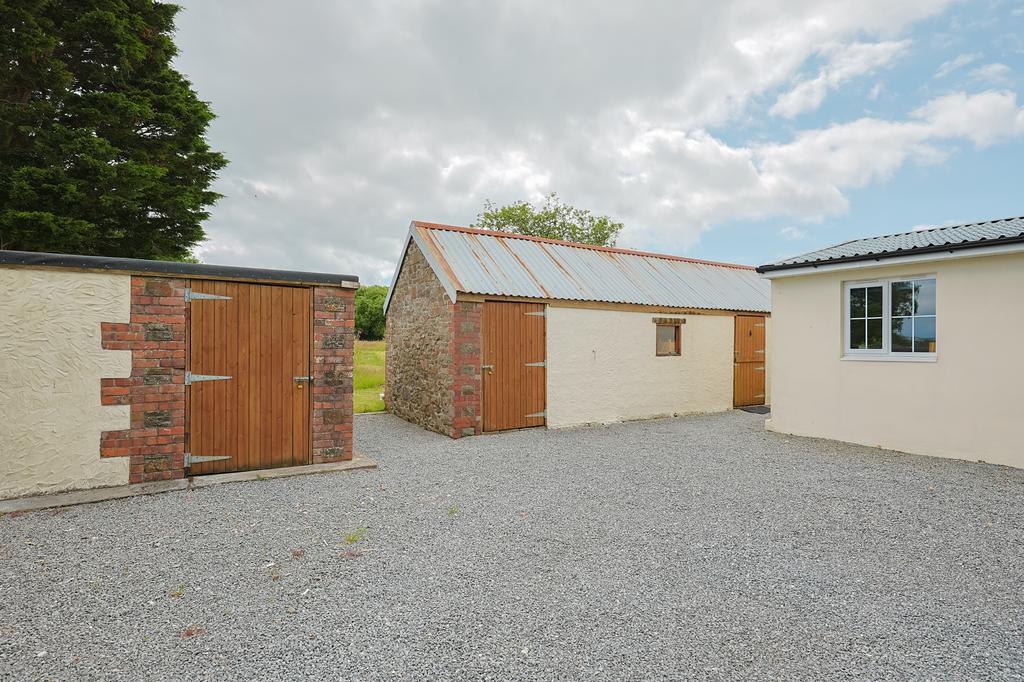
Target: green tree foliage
<point>551,219</point>
<point>370,312</point>
<point>102,147</point>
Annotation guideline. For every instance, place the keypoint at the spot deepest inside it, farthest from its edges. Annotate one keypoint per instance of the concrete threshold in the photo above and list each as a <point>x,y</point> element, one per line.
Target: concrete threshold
<point>24,504</point>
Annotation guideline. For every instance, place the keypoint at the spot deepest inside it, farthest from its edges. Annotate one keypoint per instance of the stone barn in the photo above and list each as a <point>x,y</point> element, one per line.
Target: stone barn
<point>489,331</point>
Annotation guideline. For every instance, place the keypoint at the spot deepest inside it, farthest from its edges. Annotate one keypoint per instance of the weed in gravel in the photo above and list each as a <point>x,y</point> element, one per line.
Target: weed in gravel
<point>298,553</point>
<point>192,631</point>
<point>453,510</point>
<point>176,592</point>
<point>355,536</point>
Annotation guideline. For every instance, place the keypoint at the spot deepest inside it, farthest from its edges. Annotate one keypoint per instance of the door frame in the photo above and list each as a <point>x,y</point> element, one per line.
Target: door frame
<point>307,459</point>
<point>737,362</point>
<point>483,364</point>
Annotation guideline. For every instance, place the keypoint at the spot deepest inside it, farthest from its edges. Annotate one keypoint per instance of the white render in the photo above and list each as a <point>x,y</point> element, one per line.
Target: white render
<point>602,367</point>
<point>964,403</point>
<point>51,363</point>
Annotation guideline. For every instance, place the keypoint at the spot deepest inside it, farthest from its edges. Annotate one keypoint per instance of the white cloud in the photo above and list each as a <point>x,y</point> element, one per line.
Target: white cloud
<point>958,62</point>
<point>344,121</point>
<point>995,74</point>
<point>807,177</point>
<point>875,91</point>
<point>845,63</point>
<point>793,233</point>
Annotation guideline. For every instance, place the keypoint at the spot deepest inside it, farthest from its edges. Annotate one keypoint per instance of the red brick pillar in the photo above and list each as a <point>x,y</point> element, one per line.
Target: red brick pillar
<point>333,341</point>
<point>155,334</point>
<point>466,343</point>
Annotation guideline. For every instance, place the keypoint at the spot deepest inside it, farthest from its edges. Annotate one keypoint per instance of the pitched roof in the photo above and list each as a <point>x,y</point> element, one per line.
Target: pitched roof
<point>971,235</point>
<point>502,264</point>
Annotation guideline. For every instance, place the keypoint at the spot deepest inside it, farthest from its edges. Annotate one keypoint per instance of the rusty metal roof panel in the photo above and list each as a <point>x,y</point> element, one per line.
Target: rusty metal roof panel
<point>487,263</point>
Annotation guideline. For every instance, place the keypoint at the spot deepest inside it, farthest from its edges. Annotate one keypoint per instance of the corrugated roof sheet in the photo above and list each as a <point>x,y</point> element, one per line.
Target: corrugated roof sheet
<point>499,264</point>
<point>907,243</point>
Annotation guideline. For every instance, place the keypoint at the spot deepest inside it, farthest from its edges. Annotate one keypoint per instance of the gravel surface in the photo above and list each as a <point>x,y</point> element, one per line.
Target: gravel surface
<point>694,547</point>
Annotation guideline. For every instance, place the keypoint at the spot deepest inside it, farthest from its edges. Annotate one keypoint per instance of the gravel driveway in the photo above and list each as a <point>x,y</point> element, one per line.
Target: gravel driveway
<point>699,546</point>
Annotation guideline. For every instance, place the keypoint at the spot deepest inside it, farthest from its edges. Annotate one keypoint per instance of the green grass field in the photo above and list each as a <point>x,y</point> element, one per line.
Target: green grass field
<point>368,379</point>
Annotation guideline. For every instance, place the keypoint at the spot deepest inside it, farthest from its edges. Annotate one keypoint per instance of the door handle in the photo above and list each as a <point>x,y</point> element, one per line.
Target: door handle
<point>299,380</point>
<point>489,368</point>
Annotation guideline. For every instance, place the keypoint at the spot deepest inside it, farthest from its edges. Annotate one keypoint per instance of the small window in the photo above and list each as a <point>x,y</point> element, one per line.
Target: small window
<point>669,337</point>
<point>894,318</point>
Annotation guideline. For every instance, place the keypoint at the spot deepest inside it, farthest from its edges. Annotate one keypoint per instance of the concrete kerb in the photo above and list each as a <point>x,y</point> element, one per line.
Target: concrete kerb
<point>75,497</point>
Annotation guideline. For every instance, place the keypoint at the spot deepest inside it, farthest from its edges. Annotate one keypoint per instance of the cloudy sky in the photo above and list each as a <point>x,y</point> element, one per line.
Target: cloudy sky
<point>741,131</point>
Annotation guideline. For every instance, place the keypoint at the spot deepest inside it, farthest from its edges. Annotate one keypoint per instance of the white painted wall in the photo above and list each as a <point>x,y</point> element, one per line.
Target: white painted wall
<point>602,367</point>
<point>51,364</point>
<point>965,405</point>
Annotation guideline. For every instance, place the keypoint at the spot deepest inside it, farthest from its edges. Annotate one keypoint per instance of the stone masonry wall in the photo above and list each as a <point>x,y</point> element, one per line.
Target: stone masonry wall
<point>418,362</point>
<point>155,389</point>
<point>333,341</point>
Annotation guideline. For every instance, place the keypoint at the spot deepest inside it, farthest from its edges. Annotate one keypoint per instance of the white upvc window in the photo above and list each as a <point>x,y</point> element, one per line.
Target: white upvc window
<point>891,319</point>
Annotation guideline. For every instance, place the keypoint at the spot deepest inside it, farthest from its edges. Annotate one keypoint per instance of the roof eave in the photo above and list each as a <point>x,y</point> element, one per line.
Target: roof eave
<point>923,253</point>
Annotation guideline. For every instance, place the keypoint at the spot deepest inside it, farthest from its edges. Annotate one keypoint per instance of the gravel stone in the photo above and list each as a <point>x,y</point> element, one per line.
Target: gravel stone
<point>694,547</point>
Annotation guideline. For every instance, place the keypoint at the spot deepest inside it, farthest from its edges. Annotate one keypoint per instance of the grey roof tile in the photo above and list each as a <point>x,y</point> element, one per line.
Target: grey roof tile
<point>907,243</point>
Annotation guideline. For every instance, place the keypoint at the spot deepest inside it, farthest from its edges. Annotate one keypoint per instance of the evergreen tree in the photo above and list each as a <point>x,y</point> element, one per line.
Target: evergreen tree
<point>102,147</point>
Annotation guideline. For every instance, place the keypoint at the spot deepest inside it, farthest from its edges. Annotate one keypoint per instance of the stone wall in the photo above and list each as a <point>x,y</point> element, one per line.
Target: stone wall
<point>418,362</point>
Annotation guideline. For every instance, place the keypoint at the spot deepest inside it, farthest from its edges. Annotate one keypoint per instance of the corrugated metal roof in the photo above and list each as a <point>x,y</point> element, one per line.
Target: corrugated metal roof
<point>499,264</point>
<point>908,243</point>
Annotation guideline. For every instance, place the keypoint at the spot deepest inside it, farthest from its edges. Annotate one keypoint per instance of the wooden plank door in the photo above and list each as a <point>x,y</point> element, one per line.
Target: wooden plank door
<point>514,375</point>
<point>259,336</point>
<point>748,382</point>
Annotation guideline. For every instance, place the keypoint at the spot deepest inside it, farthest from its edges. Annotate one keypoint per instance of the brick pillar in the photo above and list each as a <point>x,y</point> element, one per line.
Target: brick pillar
<point>333,340</point>
<point>155,334</point>
<point>465,367</point>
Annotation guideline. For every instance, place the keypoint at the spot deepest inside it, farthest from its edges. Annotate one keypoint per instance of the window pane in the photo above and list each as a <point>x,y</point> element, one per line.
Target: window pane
<point>924,297</point>
<point>924,334</point>
<point>874,301</point>
<point>902,334</point>
<point>667,339</point>
<point>856,302</point>
<point>857,335</point>
<point>902,300</point>
<point>874,330</point>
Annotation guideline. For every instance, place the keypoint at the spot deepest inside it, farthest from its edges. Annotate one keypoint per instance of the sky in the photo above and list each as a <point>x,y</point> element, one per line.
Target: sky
<point>742,131</point>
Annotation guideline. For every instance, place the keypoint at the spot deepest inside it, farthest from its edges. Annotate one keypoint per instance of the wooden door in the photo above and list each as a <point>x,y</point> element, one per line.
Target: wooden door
<point>748,382</point>
<point>514,373</point>
<point>259,337</point>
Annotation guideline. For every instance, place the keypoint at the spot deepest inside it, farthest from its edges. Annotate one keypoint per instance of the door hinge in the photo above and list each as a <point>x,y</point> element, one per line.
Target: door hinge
<point>536,364</point>
<point>199,296</point>
<point>542,413</point>
<point>191,459</point>
<point>191,378</point>
<point>539,313</point>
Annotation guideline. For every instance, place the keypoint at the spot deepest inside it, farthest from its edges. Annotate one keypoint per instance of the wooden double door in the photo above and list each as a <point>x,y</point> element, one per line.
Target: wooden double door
<point>513,365</point>
<point>249,390</point>
<point>749,350</point>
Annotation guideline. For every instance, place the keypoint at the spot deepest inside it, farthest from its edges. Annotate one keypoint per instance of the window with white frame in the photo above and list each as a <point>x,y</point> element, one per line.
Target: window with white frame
<point>890,317</point>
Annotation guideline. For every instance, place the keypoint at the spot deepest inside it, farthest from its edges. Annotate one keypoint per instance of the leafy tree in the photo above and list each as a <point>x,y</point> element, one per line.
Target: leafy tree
<point>370,312</point>
<point>552,219</point>
<point>102,147</point>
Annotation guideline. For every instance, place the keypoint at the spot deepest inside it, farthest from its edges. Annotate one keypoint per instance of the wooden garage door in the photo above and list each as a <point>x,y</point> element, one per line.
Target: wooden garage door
<point>513,365</point>
<point>259,336</point>
<point>748,384</point>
